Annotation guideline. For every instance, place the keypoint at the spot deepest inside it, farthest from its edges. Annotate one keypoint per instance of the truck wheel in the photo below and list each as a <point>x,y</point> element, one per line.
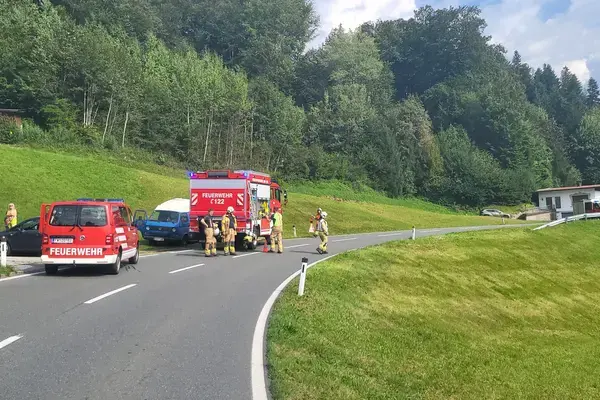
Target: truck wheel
<point>51,269</point>
<point>116,267</point>
<point>136,258</point>
<point>185,240</point>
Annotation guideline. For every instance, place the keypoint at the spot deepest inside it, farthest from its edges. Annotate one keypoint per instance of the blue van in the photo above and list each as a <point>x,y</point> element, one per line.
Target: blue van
<point>169,223</point>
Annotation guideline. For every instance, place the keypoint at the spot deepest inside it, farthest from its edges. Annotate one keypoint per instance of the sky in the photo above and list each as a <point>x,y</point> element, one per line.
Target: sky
<point>556,32</point>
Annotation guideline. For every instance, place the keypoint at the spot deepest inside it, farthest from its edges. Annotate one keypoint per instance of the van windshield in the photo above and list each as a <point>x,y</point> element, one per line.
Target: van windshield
<point>82,215</point>
<point>164,216</point>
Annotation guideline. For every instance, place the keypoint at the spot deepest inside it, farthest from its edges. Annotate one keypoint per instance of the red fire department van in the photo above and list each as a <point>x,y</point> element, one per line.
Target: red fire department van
<point>88,232</point>
<point>251,194</point>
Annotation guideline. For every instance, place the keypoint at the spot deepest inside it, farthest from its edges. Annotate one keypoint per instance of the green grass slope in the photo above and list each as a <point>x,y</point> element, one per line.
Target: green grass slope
<point>30,177</point>
<point>509,314</point>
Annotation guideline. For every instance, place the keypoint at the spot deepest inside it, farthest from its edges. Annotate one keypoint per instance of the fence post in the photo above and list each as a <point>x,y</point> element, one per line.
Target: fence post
<point>503,223</point>
<point>3,251</point>
<point>302,276</point>
<point>414,233</point>
<point>295,231</point>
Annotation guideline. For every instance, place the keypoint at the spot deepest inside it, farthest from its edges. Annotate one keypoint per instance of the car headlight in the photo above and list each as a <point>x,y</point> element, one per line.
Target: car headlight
<point>147,228</point>
<point>173,230</point>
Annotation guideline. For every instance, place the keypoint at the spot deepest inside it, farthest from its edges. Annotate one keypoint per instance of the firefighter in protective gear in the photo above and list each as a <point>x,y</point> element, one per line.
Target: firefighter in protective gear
<point>229,228</point>
<point>322,231</point>
<point>210,246</point>
<point>314,221</point>
<point>277,231</point>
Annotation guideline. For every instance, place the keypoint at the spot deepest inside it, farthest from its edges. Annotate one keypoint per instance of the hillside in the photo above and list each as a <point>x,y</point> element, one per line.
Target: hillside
<point>392,104</point>
<point>31,177</point>
<point>500,314</point>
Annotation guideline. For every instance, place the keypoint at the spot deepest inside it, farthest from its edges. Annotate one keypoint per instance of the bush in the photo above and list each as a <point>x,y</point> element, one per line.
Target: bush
<point>10,133</point>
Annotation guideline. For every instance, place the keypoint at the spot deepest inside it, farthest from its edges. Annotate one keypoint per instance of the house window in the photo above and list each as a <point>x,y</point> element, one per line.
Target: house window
<point>548,203</point>
<point>557,201</point>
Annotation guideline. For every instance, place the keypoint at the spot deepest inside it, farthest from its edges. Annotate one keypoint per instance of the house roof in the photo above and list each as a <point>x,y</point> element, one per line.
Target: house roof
<point>558,189</point>
<point>10,111</point>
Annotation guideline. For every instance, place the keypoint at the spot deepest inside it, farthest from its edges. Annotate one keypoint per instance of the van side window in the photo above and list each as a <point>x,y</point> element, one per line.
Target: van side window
<point>184,219</point>
<point>116,214</point>
<point>126,217</point>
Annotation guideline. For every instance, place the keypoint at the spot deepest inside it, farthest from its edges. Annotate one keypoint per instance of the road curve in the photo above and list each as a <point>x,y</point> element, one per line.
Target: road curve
<point>177,326</point>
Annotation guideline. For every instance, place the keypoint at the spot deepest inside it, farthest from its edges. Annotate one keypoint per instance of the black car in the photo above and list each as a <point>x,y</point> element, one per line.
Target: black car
<point>24,238</point>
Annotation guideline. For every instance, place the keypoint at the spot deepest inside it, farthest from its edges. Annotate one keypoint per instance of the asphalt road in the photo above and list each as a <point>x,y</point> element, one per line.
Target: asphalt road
<point>180,327</point>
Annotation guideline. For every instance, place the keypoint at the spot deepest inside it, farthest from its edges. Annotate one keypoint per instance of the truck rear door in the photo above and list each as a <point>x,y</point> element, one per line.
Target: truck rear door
<point>77,230</point>
<point>217,194</point>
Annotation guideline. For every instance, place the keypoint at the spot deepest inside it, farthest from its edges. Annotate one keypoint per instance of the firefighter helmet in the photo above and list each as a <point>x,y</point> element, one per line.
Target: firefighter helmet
<point>324,214</point>
<point>230,209</point>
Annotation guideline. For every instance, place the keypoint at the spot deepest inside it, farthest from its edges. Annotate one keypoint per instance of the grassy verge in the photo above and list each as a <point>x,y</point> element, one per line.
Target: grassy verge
<point>6,270</point>
<point>31,177</point>
<point>335,190</point>
<point>509,314</point>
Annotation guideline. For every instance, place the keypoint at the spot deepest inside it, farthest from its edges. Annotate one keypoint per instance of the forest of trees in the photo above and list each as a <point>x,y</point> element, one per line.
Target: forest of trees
<point>425,106</point>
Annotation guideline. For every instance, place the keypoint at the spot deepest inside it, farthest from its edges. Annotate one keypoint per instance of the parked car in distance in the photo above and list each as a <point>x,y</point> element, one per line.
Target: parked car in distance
<point>491,212</point>
<point>24,238</point>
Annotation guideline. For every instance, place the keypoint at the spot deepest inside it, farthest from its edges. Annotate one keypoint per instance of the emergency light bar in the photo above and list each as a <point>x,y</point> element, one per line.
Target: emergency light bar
<point>102,200</point>
<point>218,174</point>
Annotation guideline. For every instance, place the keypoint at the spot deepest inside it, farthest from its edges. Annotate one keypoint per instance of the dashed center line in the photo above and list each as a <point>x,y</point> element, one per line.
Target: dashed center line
<point>186,268</point>
<point>166,252</point>
<point>393,234</point>
<point>244,255</point>
<point>10,340</point>
<point>95,299</point>
<point>343,240</point>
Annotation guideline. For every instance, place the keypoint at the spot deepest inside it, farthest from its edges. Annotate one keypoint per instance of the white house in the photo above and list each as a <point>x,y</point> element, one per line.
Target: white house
<point>562,198</point>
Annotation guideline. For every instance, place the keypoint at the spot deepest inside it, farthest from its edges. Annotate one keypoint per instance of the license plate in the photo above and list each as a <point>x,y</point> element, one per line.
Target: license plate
<point>159,239</point>
<point>62,240</point>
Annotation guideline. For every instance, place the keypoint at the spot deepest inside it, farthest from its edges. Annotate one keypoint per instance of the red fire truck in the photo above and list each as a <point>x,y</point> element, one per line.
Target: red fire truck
<point>251,194</point>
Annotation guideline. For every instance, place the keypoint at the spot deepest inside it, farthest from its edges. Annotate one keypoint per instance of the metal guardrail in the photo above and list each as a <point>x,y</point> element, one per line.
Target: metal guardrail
<point>569,219</point>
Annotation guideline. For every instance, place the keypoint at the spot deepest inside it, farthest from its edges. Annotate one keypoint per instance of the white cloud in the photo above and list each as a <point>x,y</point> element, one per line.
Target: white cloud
<point>579,68</point>
<point>351,13</point>
<point>571,38</point>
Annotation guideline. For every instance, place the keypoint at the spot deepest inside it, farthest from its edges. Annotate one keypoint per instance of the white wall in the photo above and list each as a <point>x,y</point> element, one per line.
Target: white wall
<point>566,199</point>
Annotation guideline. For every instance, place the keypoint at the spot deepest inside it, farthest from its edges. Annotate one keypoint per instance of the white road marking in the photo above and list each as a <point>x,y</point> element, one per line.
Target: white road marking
<point>343,240</point>
<point>247,254</point>
<point>21,276</point>
<point>95,299</point>
<point>186,268</point>
<point>394,234</point>
<point>31,274</point>
<point>257,364</point>
<point>10,340</point>
<point>166,252</point>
